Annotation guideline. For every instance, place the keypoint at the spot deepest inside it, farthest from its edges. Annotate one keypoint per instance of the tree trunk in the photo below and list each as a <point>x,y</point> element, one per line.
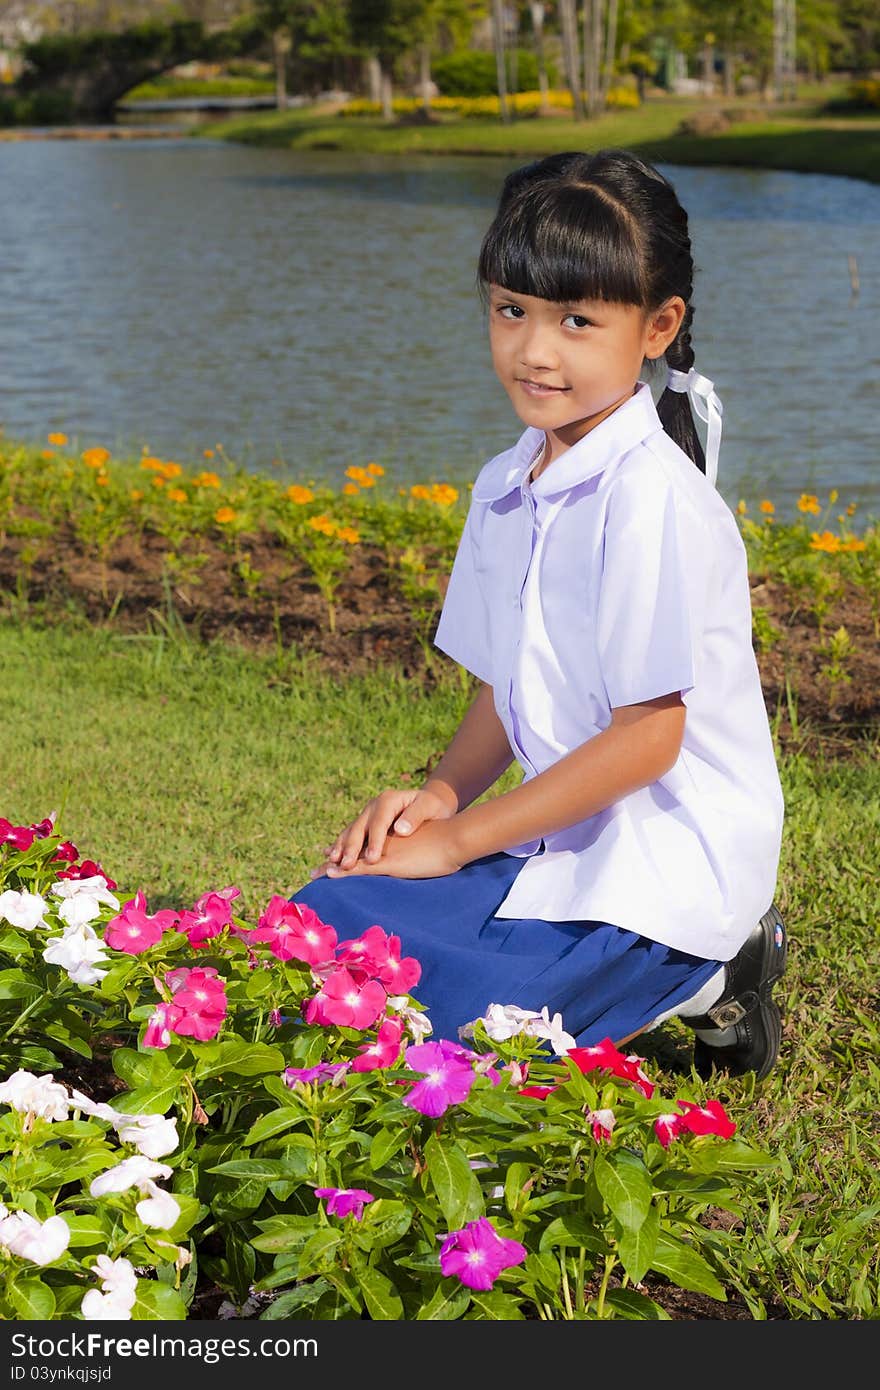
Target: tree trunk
<point>537,9</point>
<point>500,59</point>
<point>425,76</point>
<point>729,65</point>
<point>571,55</point>
<point>374,78</point>
<point>592,22</point>
<point>387,94</point>
<point>281,46</point>
<point>610,53</point>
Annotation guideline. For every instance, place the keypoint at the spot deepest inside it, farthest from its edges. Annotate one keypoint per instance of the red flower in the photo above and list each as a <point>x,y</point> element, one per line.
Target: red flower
<point>21,837</point>
<point>65,853</point>
<point>604,1056</point>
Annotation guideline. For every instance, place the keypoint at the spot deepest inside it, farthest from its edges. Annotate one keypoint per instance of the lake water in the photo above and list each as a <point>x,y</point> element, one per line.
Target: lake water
<point>310,311</point>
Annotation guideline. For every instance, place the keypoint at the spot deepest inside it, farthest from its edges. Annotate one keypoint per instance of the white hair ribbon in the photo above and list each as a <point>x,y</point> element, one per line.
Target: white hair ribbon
<point>706,405</point>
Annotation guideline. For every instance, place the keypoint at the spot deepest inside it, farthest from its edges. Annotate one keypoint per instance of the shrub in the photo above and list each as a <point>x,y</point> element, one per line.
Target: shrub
<point>472,73</point>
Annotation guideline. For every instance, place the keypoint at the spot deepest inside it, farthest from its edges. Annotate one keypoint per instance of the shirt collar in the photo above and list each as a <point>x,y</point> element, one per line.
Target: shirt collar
<point>619,432</point>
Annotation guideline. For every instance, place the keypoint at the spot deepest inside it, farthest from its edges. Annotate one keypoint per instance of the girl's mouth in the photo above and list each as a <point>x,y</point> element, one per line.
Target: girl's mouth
<point>533,388</point>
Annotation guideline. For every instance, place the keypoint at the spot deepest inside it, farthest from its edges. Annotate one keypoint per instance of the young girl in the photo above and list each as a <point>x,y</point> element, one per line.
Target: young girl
<point>600,596</point>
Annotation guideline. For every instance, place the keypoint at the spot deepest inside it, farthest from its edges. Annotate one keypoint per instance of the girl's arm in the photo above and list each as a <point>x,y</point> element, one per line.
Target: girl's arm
<point>641,743</point>
<point>476,757</point>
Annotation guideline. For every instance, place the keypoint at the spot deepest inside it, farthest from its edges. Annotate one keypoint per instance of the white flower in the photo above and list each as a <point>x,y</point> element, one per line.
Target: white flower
<point>154,1136</point>
<point>23,909</point>
<point>41,1243</point>
<point>83,899</point>
<point>37,1095</point>
<point>131,1172</point>
<point>80,952</point>
<point>119,1282</point>
<point>160,1209</point>
<point>105,1307</point>
<point>501,1021</point>
<point>117,1276</point>
<point>418,1023</point>
<point>542,1026</point>
<point>98,1108</point>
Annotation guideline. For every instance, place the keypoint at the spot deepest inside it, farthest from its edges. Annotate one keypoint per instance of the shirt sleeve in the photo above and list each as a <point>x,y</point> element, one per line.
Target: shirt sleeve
<point>656,573</point>
<point>463,629</point>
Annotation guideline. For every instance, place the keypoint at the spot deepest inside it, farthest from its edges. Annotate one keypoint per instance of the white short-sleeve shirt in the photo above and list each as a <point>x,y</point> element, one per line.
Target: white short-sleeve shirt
<point>617,576</point>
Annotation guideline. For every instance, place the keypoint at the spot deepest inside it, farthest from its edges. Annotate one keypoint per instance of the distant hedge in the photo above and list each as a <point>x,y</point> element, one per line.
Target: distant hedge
<point>472,73</point>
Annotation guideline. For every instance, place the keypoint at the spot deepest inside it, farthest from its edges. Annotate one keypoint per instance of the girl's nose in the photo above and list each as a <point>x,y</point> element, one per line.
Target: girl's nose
<point>537,350</point>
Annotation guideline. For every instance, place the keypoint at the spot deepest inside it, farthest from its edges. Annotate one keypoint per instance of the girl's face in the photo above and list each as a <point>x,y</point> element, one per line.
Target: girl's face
<point>567,366</point>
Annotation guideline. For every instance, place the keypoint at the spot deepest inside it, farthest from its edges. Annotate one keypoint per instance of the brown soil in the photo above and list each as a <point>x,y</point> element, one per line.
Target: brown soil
<point>374,621</point>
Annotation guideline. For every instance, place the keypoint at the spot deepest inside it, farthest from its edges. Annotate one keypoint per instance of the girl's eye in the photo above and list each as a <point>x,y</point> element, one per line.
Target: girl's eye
<point>515,309</point>
<point>582,322</point>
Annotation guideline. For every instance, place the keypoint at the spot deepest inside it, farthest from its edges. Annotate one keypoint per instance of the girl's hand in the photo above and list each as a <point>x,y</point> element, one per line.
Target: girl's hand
<point>430,853</point>
<point>367,834</point>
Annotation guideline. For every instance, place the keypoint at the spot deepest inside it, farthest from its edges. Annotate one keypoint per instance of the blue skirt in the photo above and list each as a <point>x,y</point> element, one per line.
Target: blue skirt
<point>606,982</point>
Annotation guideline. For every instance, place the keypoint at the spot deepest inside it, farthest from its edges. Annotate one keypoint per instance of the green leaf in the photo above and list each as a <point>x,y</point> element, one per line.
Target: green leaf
<point>272,1123</point>
<point>381,1297</point>
<point>386,1143</point>
<point>625,1185</point>
<point>157,1302</point>
<point>497,1307</point>
<point>142,1069</point>
<point>238,1058</point>
<point>687,1269</point>
<point>515,1198</point>
<point>303,1296</point>
<point>31,1298</point>
<point>571,1229</point>
<point>85,1228</point>
<point>636,1248</point>
<point>634,1306</point>
<point>453,1181</point>
<point>319,1251</point>
<point>383,1223</point>
<point>282,1233</point>
<point>262,1169</point>
<point>448,1303</point>
<point>14,984</point>
<point>149,1100</point>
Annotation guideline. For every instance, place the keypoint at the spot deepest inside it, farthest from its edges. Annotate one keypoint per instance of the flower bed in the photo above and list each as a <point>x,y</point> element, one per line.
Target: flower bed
<point>277,1127</point>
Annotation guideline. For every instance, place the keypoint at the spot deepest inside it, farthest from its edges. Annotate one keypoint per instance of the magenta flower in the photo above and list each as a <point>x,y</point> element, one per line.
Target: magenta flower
<point>161,1025</point>
<point>65,853</point>
<point>345,1003</point>
<point>43,828</point>
<point>323,1071</point>
<point>385,1051</point>
<point>134,930</point>
<point>447,1080</point>
<point>21,837</point>
<point>200,995</point>
<point>294,930</point>
<point>87,869</point>
<point>345,1201</point>
<point>379,955</point>
<point>209,916</point>
<point>477,1254</point>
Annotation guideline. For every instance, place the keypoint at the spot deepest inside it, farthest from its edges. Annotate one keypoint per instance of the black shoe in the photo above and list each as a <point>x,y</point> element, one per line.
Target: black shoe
<point>746,1009</point>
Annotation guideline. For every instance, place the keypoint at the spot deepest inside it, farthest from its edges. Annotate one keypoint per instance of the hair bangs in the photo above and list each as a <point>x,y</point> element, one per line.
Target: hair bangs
<point>565,244</point>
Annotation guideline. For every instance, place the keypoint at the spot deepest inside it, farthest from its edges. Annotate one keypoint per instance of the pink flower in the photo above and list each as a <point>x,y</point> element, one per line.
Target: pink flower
<point>379,955</point>
<point>603,1123</point>
<point>447,1080</point>
<point>44,828</point>
<point>322,1071</point>
<point>161,1025</point>
<point>345,1201</point>
<point>209,916</point>
<point>134,930</point>
<point>667,1127</point>
<point>21,837</point>
<point>477,1254</point>
<point>200,995</point>
<point>604,1056</point>
<point>385,1051</point>
<point>294,930</point>
<point>344,1002</point>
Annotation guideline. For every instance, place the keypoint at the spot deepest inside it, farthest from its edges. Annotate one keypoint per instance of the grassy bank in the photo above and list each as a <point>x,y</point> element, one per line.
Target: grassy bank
<point>185,766</point>
<point>801,137</point>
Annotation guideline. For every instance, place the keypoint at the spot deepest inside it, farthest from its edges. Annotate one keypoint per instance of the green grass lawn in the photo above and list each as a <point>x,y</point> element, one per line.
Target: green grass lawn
<point>800,137</point>
<point>185,767</point>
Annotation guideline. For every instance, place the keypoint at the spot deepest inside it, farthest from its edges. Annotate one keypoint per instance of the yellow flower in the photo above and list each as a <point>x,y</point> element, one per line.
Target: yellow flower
<point>206,480</point>
<point>377,469</point>
<point>224,514</point>
<point>833,495</point>
<point>853,544</point>
<point>102,480</point>
<point>171,470</point>
<point>158,482</point>
<point>401,491</point>
<point>57,438</point>
<point>851,508</point>
<point>136,495</point>
<point>348,533</point>
<point>350,489</point>
<point>152,464</point>
<point>323,524</point>
<point>177,494</point>
<point>768,507</point>
<point>827,541</point>
<point>443,494</point>
<point>208,453</point>
<point>741,507</point>
<point>299,494</point>
<point>808,503</point>
<point>419,490</point>
<point>95,458</point>
<point>357,473</point>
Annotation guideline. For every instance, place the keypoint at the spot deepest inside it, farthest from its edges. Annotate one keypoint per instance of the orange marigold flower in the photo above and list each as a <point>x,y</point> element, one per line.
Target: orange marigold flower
<point>206,480</point>
<point>48,453</point>
<point>224,515</point>
<point>171,470</point>
<point>853,544</point>
<point>158,482</point>
<point>419,490</point>
<point>177,494</point>
<point>851,508</point>
<point>299,494</point>
<point>767,507</point>
<point>377,469</point>
<point>102,480</point>
<point>136,495</point>
<point>357,473</point>
<point>827,541</point>
<point>208,453</point>
<point>323,524</point>
<point>152,464</point>
<point>348,533</point>
<point>808,503</point>
<point>402,491</point>
<point>443,494</point>
<point>350,489</point>
<point>95,458</point>
<point>57,438</point>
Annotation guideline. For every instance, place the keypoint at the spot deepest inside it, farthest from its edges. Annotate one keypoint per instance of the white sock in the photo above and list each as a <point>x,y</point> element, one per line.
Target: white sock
<point>704,998</point>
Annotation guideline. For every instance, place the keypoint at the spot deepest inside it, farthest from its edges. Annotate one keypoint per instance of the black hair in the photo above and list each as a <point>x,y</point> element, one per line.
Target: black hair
<point>605,226</point>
